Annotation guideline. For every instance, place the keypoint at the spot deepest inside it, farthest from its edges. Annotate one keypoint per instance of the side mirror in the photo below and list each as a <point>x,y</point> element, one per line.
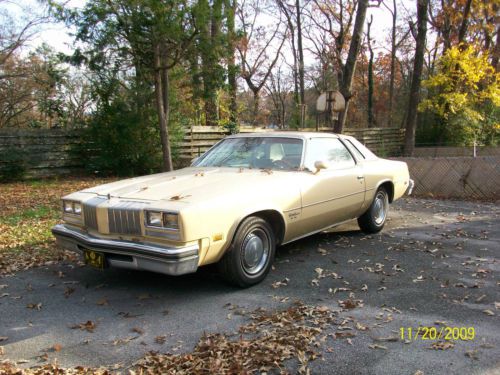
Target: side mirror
<point>194,160</point>
<point>319,165</point>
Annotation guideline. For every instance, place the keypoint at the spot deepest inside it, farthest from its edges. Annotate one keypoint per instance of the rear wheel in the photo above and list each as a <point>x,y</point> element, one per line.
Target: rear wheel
<point>250,257</point>
<point>373,220</point>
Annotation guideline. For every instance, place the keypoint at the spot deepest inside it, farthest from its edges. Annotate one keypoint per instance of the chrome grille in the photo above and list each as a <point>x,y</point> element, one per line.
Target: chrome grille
<point>125,218</point>
<point>90,212</point>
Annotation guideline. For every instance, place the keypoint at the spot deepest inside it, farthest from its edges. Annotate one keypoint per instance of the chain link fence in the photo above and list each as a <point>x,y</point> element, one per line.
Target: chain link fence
<point>456,177</point>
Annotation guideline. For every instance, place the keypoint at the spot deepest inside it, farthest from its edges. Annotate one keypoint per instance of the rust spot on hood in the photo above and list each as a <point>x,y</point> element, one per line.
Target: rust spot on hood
<point>178,197</point>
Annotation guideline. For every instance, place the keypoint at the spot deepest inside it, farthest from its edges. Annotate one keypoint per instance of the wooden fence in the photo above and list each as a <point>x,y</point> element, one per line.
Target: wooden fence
<point>49,152</point>
<point>43,152</point>
<point>198,139</point>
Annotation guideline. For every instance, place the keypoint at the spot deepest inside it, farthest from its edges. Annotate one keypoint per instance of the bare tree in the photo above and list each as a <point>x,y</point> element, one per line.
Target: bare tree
<point>14,34</point>
<point>259,50</point>
<point>411,121</point>
<point>279,87</point>
<point>395,44</point>
<point>350,64</point>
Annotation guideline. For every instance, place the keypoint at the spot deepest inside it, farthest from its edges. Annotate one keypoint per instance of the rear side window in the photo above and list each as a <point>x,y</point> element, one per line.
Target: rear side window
<point>329,150</point>
<point>355,150</point>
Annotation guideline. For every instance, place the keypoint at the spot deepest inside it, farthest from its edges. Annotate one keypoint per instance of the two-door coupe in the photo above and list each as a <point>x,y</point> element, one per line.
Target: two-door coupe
<point>233,205</point>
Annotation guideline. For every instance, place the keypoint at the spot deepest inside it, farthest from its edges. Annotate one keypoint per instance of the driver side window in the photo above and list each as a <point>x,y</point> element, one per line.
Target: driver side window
<point>329,150</point>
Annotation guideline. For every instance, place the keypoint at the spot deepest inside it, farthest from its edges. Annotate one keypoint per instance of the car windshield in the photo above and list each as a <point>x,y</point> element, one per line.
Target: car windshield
<point>276,153</point>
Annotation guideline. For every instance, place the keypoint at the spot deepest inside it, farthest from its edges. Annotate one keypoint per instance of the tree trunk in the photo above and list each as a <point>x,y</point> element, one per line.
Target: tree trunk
<point>256,104</point>
<point>465,22</point>
<point>209,29</point>
<point>371,119</point>
<point>231,66</point>
<point>300,51</point>
<point>393,61</point>
<point>350,65</point>
<point>496,53</point>
<point>162,105</point>
<point>411,120</point>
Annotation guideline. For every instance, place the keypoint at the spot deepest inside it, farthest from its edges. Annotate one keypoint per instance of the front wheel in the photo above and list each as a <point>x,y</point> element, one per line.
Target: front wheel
<point>373,220</point>
<point>250,257</point>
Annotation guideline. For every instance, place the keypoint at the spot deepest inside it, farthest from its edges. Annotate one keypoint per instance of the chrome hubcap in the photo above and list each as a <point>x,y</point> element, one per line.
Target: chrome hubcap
<point>255,251</point>
<point>380,208</point>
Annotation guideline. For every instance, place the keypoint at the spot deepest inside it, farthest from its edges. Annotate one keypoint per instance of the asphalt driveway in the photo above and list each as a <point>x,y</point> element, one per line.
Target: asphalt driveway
<point>435,265</point>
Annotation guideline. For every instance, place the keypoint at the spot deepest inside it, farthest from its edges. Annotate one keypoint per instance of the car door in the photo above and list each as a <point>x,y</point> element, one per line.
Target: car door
<point>334,194</point>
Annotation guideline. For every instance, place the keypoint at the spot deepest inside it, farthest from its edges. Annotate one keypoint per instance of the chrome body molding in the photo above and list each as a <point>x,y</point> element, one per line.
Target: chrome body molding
<point>132,255</point>
<point>411,185</point>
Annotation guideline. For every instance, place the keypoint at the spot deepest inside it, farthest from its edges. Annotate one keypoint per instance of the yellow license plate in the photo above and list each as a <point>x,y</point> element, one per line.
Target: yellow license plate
<point>94,259</point>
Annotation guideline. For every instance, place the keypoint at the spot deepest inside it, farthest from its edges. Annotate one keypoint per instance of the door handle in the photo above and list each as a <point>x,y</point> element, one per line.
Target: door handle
<point>361,177</point>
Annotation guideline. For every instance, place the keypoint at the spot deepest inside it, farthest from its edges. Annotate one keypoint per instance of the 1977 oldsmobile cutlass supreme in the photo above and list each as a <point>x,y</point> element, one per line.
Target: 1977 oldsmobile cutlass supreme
<point>233,205</point>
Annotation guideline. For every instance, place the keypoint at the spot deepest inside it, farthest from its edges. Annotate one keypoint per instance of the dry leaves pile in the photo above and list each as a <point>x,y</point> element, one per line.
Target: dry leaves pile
<point>262,345</point>
<point>29,210</point>
<point>9,368</point>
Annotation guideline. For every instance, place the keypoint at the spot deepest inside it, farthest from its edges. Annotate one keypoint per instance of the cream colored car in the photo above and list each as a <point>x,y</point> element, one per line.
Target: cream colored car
<point>248,194</point>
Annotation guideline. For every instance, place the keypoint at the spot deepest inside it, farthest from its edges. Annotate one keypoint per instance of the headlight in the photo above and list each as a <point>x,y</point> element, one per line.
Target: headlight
<point>158,219</point>
<point>68,207</point>
<point>170,220</point>
<point>71,207</point>
<point>154,218</point>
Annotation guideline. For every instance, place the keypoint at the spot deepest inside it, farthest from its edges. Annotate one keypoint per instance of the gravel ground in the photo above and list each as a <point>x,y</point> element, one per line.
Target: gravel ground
<point>435,264</point>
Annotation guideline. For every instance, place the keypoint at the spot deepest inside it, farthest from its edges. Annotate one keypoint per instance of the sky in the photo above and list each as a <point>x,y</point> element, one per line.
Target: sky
<point>58,35</point>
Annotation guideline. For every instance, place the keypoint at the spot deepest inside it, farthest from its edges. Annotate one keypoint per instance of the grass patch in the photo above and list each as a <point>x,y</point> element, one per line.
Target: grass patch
<point>30,214</point>
<point>28,211</point>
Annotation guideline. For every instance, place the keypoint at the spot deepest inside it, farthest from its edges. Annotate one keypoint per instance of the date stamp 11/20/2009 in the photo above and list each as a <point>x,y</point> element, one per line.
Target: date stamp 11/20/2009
<point>437,333</point>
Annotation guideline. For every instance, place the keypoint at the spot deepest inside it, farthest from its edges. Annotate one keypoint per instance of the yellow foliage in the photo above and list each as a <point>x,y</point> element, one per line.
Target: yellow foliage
<point>464,80</point>
<point>465,93</point>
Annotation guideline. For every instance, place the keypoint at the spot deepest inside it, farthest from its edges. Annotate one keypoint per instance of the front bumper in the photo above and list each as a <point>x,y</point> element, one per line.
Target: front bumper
<point>411,185</point>
<point>131,255</point>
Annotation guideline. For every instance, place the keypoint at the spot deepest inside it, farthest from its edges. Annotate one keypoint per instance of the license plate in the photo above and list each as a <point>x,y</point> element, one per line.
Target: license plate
<point>94,259</point>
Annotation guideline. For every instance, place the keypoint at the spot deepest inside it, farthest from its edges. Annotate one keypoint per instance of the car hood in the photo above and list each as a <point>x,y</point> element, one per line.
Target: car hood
<point>193,184</point>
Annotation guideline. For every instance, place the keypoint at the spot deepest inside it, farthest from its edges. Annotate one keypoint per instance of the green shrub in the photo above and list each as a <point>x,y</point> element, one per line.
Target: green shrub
<point>120,141</point>
<point>12,165</point>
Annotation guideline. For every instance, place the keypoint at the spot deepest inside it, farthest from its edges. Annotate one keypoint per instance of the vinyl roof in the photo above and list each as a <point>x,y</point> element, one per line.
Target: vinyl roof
<point>285,134</point>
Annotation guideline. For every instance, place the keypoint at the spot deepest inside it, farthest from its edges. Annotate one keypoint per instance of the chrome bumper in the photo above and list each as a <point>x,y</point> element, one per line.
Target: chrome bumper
<point>411,185</point>
<point>128,254</point>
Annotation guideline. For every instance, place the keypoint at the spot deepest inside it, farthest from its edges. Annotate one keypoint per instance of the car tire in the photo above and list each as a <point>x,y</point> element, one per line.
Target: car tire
<point>373,220</point>
<point>251,254</point>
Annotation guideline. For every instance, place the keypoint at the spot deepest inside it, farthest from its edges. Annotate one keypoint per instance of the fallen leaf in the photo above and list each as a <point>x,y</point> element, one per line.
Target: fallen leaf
<point>488,312</point>
<point>361,327</point>
<point>386,339</point>
<point>281,283</point>
<point>160,339</point>
<point>34,306</point>
<point>69,291</point>
<point>376,346</point>
<point>102,302</point>
<point>442,345</point>
<point>472,354</point>
<point>481,298</point>
<point>88,326</point>
<point>138,330</point>
<point>350,304</point>
<point>57,347</point>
